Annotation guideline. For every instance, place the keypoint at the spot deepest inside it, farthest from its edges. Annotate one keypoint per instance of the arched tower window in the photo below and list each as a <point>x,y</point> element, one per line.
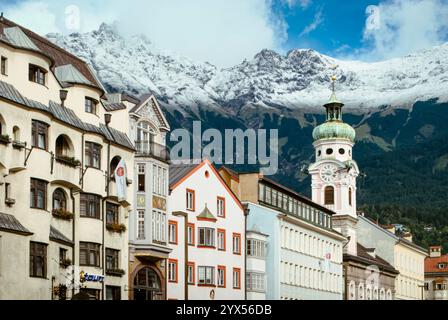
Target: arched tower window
<point>16,133</point>
<point>350,196</point>
<point>329,195</point>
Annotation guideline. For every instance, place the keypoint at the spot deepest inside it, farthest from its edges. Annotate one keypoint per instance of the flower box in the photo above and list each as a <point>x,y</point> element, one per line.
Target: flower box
<point>4,139</point>
<point>69,161</point>
<point>115,227</point>
<point>62,214</point>
<point>19,145</point>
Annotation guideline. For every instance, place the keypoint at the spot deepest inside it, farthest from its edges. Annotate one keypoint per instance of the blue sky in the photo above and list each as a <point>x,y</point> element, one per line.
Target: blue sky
<point>225,32</point>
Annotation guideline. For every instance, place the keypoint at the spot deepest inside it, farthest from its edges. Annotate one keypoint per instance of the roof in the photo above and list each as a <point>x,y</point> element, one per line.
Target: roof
<point>57,236</point>
<point>431,264</point>
<point>364,257</point>
<point>110,107</point>
<point>178,171</point>
<point>18,38</point>
<point>70,74</point>
<point>233,174</point>
<point>206,214</point>
<point>10,223</point>
<point>141,101</point>
<point>64,114</point>
<point>399,239</point>
<point>59,56</point>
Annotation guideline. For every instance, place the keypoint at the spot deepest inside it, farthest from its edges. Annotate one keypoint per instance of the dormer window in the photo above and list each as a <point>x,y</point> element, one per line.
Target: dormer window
<point>4,66</point>
<point>441,265</point>
<point>37,74</point>
<point>90,105</point>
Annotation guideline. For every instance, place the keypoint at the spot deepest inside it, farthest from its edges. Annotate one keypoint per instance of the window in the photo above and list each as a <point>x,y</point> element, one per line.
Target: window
<point>191,200</point>
<point>341,151</point>
<point>329,151</point>
<point>191,275</point>
<point>94,293</point>
<point>112,213</point>
<point>237,243</point>
<point>329,195</point>
<point>113,293</point>
<point>38,194</point>
<point>255,282</point>
<point>62,255</point>
<point>191,238</point>
<point>159,180</point>
<point>236,278</point>
<point>112,259</point>
<point>141,177</point>
<point>256,248</point>
<point>206,237</point>
<point>90,206</point>
<point>90,105</point>
<point>93,155</point>
<point>221,276</point>
<point>350,196</point>
<point>206,275</point>
<point>221,239</point>
<point>158,226</point>
<point>221,204</point>
<point>62,146</point>
<point>38,260</point>
<point>39,135</point>
<point>172,270</point>
<point>141,225</point>
<point>4,66</point>
<point>172,232</point>
<point>37,74</point>
<point>89,254</point>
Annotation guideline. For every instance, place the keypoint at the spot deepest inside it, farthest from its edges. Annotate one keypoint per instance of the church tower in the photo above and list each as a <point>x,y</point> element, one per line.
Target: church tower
<point>334,173</point>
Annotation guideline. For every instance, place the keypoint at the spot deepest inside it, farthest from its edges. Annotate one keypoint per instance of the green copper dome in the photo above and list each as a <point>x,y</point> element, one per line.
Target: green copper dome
<point>334,130</point>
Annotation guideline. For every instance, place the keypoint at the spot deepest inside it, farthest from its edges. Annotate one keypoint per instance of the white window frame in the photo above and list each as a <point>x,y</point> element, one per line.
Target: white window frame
<point>141,228</point>
<point>206,275</point>
<point>209,237</point>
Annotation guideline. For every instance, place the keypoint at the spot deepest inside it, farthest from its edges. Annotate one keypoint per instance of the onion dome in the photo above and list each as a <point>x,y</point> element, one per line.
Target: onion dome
<point>334,127</point>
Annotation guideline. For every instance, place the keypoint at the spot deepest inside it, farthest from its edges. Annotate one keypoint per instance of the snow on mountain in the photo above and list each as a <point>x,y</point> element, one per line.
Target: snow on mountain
<point>299,79</point>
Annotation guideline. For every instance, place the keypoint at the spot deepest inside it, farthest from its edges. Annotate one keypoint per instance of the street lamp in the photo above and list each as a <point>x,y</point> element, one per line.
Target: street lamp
<point>185,216</point>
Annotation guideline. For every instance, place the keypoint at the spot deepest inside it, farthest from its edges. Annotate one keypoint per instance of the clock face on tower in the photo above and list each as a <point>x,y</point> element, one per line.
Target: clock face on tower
<point>328,173</point>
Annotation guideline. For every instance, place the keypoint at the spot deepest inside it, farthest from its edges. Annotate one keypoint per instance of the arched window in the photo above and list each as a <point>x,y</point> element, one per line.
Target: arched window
<point>352,291</point>
<point>361,292</point>
<point>382,294</point>
<point>389,295</point>
<point>59,200</point>
<point>114,164</point>
<point>329,195</point>
<point>16,133</point>
<point>350,196</point>
<point>63,146</point>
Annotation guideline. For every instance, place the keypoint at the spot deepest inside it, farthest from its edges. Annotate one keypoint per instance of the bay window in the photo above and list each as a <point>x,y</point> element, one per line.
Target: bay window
<point>206,237</point>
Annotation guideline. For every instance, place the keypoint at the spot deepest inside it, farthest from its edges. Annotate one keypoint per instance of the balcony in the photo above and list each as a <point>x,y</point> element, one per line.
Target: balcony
<point>152,149</point>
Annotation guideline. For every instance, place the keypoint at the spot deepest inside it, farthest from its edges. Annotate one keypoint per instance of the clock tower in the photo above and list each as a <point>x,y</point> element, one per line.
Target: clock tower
<point>334,173</point>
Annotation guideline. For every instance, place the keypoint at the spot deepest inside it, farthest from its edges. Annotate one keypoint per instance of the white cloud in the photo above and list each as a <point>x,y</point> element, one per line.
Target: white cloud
<point>223,32</point>
<point>303,3</point>
<point>318,19</point>
<point>404,26</point>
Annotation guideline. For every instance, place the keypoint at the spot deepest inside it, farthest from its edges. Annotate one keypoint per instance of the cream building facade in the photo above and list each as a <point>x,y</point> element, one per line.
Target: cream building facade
<point>63,223</point>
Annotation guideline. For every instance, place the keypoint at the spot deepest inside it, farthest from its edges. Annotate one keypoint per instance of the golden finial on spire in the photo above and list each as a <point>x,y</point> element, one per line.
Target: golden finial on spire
<point>334,78</point>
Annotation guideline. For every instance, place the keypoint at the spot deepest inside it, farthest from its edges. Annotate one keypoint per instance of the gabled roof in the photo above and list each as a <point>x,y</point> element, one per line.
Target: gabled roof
<point>59,56</point>
<point>149,97</point>
<point>9,223</point>
<point>178,171</point>
<point>57,236</point>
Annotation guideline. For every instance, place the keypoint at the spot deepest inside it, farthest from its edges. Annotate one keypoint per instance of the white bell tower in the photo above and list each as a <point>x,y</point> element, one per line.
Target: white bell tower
<point>334,173</point>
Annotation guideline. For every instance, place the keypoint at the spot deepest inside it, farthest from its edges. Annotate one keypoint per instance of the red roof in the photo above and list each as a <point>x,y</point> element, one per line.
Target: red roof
<point>432,264</point>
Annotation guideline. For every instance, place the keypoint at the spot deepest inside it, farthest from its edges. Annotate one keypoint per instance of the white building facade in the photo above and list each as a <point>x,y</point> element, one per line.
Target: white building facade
<point>206,233</point>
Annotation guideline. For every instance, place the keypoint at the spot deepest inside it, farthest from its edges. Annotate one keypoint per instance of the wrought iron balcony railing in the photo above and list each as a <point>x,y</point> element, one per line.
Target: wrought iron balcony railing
<point>152,149</point>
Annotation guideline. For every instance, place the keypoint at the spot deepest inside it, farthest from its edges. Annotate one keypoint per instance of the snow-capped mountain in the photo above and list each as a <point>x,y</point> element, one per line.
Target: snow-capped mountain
<point>298,80</point>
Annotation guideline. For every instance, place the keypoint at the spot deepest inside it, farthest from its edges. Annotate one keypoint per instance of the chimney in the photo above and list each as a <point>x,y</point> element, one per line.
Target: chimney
<point>107,118</point>
<point>408,236</point>
<point>435,251</point>
<point>63,96</point>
